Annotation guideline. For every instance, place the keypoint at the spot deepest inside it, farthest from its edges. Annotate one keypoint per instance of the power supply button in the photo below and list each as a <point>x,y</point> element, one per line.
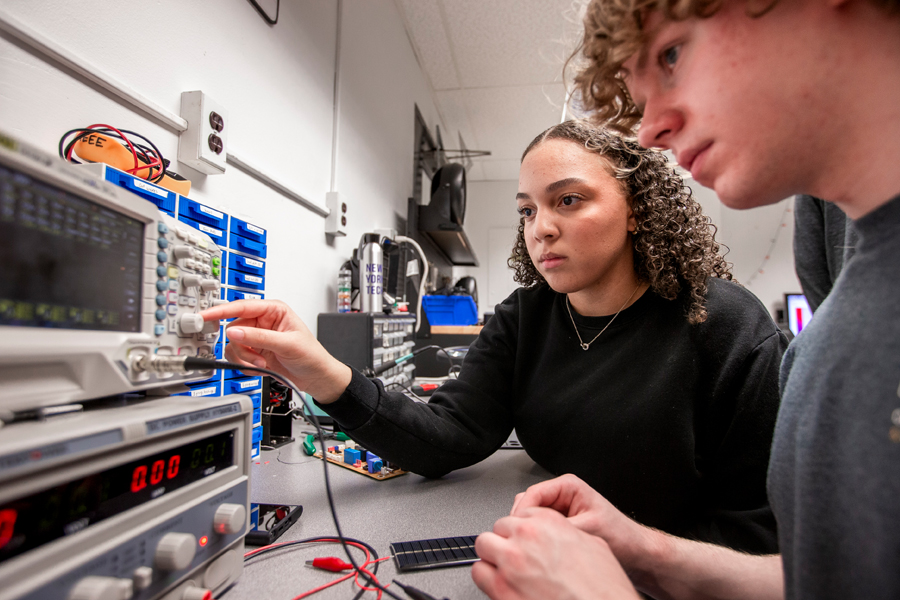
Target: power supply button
<point>102,588</point>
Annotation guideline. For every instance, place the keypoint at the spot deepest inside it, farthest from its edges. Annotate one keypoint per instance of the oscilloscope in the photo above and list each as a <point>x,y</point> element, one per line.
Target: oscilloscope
<point>91,279</point>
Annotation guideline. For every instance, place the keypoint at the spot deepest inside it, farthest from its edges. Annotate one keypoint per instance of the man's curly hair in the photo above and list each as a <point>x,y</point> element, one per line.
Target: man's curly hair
<point>614,31</point>
<point>674,242</point>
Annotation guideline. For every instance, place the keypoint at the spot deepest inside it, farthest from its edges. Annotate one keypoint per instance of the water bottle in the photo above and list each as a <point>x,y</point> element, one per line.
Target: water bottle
<point>371,274</point>
<point>345,282</point>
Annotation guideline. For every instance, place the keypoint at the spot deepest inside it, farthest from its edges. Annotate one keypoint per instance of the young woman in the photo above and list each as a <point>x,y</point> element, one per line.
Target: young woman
<point>628,359</point>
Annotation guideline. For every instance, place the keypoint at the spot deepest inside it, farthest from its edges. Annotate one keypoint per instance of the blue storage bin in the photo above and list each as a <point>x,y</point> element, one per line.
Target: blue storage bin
<point>236,374</point>
<point>247,246</point>
<point>257,434</point>
<point>224,274</point>
<point>248,230</point>
<point>160,196</point>
<point>254,449</point>
<point>243,385</point>
<point>245,264</point>
<point>254,516</point>
<point>239,295</point>
<point>257,416</point>
<point>201,213</point>
<point>246,280</point>
<point>257,400</point>
<point>218,236</point>
<point>450,310</point>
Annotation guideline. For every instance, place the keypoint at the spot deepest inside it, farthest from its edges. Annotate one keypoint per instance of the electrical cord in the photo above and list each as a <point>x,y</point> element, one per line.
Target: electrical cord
<point>415,244</point>
<point>177,364</point>
<point>149,155</point>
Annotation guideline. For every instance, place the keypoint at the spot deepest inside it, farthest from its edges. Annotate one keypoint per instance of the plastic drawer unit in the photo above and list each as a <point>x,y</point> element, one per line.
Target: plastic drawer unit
<point>203,389</point>
<point>256,440</point>
<point>242,385</point>
<point>219,236</point>
<point>239,295</point>
<point>200,213</point>
<point>247,246</point>
<point>224,267</point>
<point>246,280</point>
<point>160,196</point>
<point>248,230</point>
<point>245,264</point>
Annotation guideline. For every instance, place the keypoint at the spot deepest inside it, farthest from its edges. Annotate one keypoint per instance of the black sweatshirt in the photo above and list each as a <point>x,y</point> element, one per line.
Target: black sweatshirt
<point>671,422</point>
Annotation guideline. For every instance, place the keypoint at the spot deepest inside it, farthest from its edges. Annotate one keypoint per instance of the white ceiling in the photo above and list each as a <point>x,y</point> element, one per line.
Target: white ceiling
<point>495,67</point>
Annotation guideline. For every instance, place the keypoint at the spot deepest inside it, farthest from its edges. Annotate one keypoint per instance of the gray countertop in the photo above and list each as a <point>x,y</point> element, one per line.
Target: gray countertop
<point>409,507</point>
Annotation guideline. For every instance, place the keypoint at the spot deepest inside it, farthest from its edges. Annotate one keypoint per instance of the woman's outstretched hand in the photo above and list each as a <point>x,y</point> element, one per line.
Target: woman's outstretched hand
<point>269,335</point>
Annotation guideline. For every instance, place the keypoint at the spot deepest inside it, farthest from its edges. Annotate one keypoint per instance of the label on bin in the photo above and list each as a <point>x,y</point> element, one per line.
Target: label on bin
<point>253,279</point>
<point>203,392</point>
<point>210,230</point>
<point>150,188</point>
<point>256,229</point>
<point>210,211</point>
<point>254,263</point>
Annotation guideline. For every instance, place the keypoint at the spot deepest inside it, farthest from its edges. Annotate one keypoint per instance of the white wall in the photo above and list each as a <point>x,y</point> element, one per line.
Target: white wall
<point>277,84</point>
<point>490,207</point>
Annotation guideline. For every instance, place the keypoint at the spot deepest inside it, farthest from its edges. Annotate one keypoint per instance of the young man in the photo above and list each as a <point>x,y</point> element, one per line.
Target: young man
<point>759,102</point>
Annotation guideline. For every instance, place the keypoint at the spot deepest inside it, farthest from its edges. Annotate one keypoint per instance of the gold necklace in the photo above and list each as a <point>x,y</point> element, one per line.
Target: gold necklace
<point>581,341</point>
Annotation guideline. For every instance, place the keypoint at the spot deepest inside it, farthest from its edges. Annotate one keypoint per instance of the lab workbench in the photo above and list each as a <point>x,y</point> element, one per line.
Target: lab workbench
<point>409,507</point>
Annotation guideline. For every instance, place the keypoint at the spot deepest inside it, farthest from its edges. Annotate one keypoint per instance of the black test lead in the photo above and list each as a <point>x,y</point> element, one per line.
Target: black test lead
<point>414,593</point>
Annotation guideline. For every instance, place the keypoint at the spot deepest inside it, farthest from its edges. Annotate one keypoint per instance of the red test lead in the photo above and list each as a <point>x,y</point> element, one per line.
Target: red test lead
<point>329,563</point>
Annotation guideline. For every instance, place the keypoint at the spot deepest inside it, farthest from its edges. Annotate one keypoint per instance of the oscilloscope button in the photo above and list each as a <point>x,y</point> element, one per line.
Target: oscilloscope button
<point>162,228</point>
<point>161,285</point>
<point>161,270</point>
<point>175,551</point>
<point>163,242</point>
<point>160,315</point>
<point>161,300</point>
<point>183,251</point>
<point>162,256</point>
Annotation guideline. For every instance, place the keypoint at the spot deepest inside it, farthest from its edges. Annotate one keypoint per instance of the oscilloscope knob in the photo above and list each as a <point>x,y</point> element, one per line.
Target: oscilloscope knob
<point>229,518</point>
<point>190,281</point>
<point>208,285</point>
<point>102,588</point>
<point>191,323</point>
<point>175,551</point>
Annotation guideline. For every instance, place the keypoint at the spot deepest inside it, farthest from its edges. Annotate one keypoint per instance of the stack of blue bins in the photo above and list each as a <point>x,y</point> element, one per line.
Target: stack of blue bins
<point>242,272</point>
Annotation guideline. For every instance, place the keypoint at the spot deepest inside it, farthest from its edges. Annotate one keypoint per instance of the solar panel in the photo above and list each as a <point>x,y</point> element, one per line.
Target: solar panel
<point>430,554</point>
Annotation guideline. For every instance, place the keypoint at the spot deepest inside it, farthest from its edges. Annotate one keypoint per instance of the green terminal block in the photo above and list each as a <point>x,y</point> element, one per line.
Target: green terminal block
<point>308,447</point>
<point>341,436</point>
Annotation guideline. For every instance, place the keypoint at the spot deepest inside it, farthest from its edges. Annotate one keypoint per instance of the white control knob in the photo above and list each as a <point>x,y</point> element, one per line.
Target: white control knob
<point>190,281</point>
<point>196,593</point>
<point>175,551</point>
<point>191,323</point>
<point>102,588</point>
<point>218,302</point>
<point>183,251</point>
<point>208,285</point>
<point>229,518</point>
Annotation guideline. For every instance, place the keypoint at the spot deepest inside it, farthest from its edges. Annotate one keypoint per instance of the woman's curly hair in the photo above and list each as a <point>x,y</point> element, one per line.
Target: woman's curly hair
<point>674,242</point>
<point>614,31</point>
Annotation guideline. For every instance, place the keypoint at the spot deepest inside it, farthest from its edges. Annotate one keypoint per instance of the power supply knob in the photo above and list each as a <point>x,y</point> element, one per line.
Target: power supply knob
<point>175,551</point>
<point>191,323</point>
<point>208,285</point>
<point>229,518</point>
<point>191,281</point>
<point>102,588</point>
<point>183,251</point>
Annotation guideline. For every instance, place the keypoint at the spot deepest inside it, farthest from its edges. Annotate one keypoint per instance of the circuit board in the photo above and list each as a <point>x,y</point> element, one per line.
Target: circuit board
<point>337,458</point>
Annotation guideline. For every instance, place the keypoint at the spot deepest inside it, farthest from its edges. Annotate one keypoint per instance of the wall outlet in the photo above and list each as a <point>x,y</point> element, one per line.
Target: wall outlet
<point>336,221</point>
<point>203,146</point>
